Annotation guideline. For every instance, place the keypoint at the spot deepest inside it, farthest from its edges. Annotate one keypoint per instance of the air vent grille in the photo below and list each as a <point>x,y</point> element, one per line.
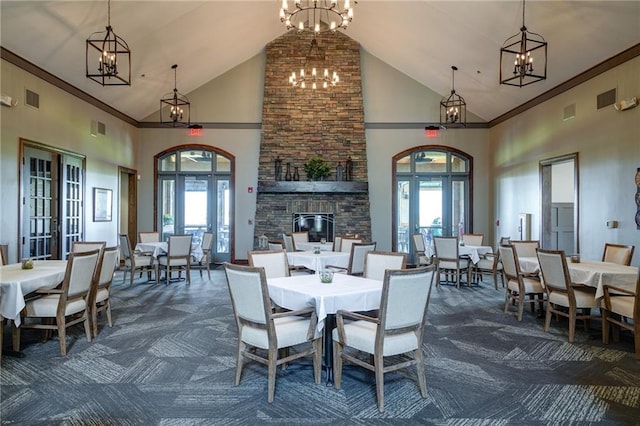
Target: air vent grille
<point>607,98</point>
<point>32,99</point>
<point>569,112</point>
<point>102,128</point>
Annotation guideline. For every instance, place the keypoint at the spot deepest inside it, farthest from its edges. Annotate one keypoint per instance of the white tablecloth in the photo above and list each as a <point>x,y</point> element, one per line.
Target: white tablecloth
<point>311,246</point>
<point>16,282</point>
<point>592,273</point>
<point>159,248</point>
<point>318,262</point>
<point>474,252</point>
<point>345,292</point>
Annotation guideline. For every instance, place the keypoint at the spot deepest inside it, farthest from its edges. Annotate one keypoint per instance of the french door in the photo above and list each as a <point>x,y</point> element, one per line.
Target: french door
<point>52,208</point>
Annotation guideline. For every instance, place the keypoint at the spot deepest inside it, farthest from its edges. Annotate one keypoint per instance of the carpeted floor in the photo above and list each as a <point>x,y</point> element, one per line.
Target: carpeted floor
<point>169,360</point>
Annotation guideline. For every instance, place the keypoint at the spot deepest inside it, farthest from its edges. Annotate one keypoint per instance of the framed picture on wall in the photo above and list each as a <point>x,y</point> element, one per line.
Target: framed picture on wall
<point>102,201</point>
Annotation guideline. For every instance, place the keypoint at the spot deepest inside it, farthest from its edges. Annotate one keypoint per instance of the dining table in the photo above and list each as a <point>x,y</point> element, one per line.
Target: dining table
<point>592,273</point>
<point>318,261</point>
<point>159,248</point>
<point>311,246</point>
<point>345,292</point>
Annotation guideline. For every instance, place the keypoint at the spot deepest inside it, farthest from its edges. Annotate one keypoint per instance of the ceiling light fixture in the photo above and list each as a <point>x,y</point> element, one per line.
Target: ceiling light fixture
<point>517,58</point>
<point>315,15</point>
<point>453,110</point>
<point>309,74</point>
<point>108,58</point>
<point>175,108</point>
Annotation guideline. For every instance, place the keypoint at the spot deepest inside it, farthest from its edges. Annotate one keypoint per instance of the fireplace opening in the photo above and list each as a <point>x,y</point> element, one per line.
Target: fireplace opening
<point>319,225</point>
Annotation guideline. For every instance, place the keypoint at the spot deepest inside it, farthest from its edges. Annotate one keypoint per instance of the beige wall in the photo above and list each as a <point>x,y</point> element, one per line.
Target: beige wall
<point>608,145</point>
<point>62,121</point>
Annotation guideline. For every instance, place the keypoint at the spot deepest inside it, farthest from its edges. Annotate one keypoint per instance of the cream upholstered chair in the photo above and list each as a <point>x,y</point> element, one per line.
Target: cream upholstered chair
<point>337,243</point>
<point>396,331</point>
<point>274,262</point>
<point>68,305</point>
<point>300,237</point>
<point>618,253</point>
<point>149,237</point>
<point>564,297</point>
<point>421,251</point>
<point>3,259</point>
<point>490,263</point>
<point>377,262</point>
<point>356,259</point>
<point>178,257</point>
<point>100,298</point>
<point>518,285</point>
<point>260,330</point>
<point>289,245</point>
<point>448,260</point>
<point>207,256</point>
<point>346,242</point>
<point>473,239</point>
<point>276,245</point>
<point>526,248</point>
<point>621,308</point>
<point>134,262</point>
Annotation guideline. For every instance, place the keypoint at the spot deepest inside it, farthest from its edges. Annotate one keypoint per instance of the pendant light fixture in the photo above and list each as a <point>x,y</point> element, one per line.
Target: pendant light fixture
<point>523,58</point>
<point>175,108</point>
<point>453,110</point>
<point>316,15</point>
<point>107,57</point>
<point>315,74</point>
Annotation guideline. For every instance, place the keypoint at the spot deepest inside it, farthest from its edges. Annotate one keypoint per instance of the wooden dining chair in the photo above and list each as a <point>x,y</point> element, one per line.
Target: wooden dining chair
<point>377,262</point>
<point>148,237</point>
<point>100,300</point>
<point>420,250</point>
<point>207,256</point>
<point>526,248</point>
<point>564,298</point>
<point>519,286</point>
<point>356,259</point>
<point>300,237</point>
<point>134,262</point>
<point>265,336</point>
<point>274,262</point>
<point>620,308</point>
<point>178,258</point>
<point>395,334</point>
<point>618,253</point>
<point>473,239</point>
<point>60,308</point>
<point>346,242</point>
<point>449,262</point>
<point>3,257</point>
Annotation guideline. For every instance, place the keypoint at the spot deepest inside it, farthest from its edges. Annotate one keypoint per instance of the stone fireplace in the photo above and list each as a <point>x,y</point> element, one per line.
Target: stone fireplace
<point>298,124</point>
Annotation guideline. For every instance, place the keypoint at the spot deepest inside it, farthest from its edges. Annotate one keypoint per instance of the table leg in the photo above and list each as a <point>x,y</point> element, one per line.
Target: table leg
<point>327,359</point>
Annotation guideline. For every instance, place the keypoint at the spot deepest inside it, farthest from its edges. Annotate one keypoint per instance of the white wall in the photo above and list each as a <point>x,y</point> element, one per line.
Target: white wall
<point>608,148</point>
<point>62,121</point>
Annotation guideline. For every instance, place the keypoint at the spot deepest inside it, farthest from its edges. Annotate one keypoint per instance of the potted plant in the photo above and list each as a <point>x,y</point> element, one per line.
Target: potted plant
<point>317,169</point>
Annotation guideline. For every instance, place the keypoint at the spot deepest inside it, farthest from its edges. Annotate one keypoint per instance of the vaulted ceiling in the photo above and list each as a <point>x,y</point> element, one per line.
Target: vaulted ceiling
<point>421,39</point>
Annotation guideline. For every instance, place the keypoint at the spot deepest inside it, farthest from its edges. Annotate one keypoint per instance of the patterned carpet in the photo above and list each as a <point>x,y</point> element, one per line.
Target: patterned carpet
<point>169,360</point>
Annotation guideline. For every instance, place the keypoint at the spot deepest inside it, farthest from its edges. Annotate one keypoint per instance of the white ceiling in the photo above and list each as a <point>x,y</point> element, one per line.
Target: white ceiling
<point>422,39</point>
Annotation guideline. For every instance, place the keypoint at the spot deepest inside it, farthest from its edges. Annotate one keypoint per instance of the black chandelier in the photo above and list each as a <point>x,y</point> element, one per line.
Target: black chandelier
<point>316,15</point>
<point>517,58</point>
<point>312,75</point>
<point>175,108</point>
<point>453,110</point>
<point>108,58</point>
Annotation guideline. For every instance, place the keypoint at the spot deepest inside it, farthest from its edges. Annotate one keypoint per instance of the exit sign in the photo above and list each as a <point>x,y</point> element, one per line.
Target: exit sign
<point>195,130</point>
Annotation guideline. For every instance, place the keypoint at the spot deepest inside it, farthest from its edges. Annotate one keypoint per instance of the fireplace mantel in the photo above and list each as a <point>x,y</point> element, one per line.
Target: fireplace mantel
<point>271,186</point>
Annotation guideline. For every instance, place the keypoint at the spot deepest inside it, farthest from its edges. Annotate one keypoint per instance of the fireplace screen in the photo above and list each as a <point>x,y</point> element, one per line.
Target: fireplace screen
<point>319,225</point>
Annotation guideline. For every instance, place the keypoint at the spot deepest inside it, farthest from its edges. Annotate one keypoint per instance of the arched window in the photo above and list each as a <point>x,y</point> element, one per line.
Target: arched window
<point>194,195</point>
<point>432,194</point>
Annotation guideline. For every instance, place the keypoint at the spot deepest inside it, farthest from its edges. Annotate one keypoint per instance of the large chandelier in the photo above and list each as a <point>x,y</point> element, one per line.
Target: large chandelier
<point>315,15</point>
<point>175,108</point>
<point>108,58</point>
<point>313,75</point>
<point>517,58</point>
<point>453,110</point>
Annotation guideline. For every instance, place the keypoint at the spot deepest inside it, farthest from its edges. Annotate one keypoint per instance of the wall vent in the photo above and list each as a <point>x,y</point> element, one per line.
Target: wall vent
<point>102,128</point>
<point>98,128</point>
<point>32,99</point>
<point>607,98</point>
<point>569,112</point>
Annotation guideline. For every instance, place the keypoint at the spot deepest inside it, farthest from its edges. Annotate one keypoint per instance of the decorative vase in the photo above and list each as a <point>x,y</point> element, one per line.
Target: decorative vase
<point>278,168</point>
<point>287,175</point>
<point>296,175</point>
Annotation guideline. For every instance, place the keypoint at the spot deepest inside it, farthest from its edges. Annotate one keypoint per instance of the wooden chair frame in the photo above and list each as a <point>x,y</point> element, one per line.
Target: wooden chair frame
<point>618,253</point>
<point>613,318</point>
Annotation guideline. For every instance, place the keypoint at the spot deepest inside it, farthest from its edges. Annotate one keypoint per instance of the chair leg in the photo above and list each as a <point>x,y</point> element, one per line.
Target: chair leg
<point>239,362</point>
<point>87,327</point>
<point>62,334</point>
<point>547,319</point>
<point>606,327</point>
<point>521,300</point>
<point>94,320</point>
<point>337,364</point>
<point>107,308</point>
<point>378,366</point>
<point>422,379</point>
<point>317,360</point>
<point>586,312</point>
<point>507,297</point>
<point>271,375</point>
<point>15,336</point>
<point>572,324</point>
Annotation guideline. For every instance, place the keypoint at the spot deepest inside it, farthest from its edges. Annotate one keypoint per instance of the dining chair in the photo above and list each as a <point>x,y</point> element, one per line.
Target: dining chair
<point>134,262</point>
<point>62,307</point>
<point>620,308</point>
<point>448,260</point>
<point>377,262</point>
<point>178,258</point>
<point>518,285</point>
<point>274,262</point>
<point>526,248</point>
<point>100,300</point>
<point>148,237</point>
<point>346,242</point>
<point>564,298</point>
<point>300,237</point>
<point>276,245</point>
<point>396,334</point>
<point>337,243</point>
<point>3,258</point>
<point>618,253</point>
<point>421,250</point>
<point>207,255</point>
<point>288,242</point>
<point>473,239</point>
<point>491,263</point>
<point>356,259</point>
<point>264,335</point>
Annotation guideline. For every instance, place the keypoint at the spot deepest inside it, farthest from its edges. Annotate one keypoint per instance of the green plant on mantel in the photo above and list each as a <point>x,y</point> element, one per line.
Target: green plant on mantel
<point>317,169</point>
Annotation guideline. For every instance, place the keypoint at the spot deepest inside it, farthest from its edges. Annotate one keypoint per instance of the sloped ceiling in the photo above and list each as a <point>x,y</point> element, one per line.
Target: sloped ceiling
<point>422,39</point>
